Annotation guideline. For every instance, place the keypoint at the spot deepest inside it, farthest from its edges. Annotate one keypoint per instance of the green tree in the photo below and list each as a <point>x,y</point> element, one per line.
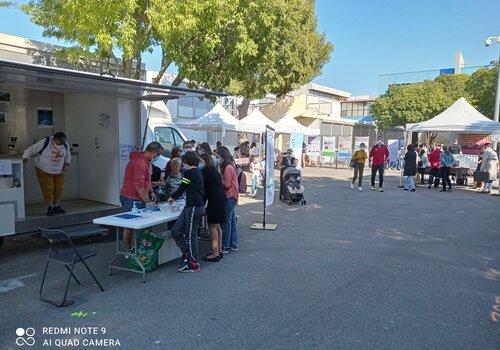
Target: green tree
<point>482,88</point>
<point>247,47</point>
<point>411,103</point>
<point>417,102</point>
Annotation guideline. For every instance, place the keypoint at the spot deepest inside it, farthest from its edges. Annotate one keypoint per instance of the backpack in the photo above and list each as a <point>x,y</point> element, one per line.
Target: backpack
<point>46,143</point>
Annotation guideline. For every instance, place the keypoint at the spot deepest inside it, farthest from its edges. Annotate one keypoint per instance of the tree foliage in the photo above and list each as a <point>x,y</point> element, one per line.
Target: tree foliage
<point>482,88</point>
<point>246,47</point>
<point>417,102</point>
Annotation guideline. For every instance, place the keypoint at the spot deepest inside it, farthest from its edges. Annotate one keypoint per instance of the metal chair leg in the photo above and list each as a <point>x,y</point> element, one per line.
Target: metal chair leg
<point>73,275</point>
<point>91,274</point>
<point>64,303</point>
<point>43,279</point>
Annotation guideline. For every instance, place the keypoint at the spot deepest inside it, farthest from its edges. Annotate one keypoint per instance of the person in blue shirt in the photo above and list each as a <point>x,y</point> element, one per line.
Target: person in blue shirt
<point>446,159</point>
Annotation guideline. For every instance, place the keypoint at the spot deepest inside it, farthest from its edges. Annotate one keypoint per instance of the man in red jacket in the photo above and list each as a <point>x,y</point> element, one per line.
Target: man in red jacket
<point>434,174</point>
<point>379,156</point>
<point>137,183</point>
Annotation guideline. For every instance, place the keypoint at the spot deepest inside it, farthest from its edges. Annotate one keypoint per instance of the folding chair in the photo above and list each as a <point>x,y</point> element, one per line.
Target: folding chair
<point>69,255</point>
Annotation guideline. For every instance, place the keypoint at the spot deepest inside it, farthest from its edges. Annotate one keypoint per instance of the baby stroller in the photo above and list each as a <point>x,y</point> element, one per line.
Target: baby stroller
<point>291,189</point>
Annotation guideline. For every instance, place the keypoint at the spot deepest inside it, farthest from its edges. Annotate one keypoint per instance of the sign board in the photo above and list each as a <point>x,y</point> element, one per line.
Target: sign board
<point>125,150</point>
<point>314,146</point>
<point>269,167</point>
<point>296,141</point>
<point>395,150</point>
<point>328,148</point>
<point>358,140</point>
<point>345,143</point>
<point>5,167</point>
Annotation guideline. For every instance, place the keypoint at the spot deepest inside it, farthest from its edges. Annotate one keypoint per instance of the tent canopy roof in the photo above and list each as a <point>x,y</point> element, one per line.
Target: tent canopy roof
<point>218,119</point>
<point>258,119</point>
<point>459,117</point>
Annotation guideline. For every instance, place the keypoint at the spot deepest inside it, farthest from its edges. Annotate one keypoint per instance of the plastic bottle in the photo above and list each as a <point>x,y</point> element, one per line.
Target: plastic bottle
<point>135,210</point>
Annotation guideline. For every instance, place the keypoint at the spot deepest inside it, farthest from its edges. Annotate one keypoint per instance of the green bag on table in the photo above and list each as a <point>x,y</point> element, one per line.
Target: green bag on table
<point>148,246</point>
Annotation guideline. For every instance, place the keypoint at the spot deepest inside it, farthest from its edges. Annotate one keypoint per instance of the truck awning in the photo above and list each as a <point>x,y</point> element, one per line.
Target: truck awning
<point>40,77</point>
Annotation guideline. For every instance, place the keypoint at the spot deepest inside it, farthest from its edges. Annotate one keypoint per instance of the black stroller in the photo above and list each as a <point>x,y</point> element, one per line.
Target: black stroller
<point>291,189</point>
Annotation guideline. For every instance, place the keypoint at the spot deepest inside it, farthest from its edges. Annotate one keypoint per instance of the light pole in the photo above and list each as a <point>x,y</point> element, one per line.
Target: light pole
<point>488,42</point>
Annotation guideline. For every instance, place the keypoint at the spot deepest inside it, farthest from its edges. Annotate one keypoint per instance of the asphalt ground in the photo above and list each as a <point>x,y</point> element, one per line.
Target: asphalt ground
<point>350,270</point>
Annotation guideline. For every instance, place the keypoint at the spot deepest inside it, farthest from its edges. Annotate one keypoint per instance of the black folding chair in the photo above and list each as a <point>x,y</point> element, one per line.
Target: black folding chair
<point>67,254</point>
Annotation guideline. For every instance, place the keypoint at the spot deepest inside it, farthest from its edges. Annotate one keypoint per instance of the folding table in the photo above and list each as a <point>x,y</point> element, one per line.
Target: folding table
<point>136,221</point>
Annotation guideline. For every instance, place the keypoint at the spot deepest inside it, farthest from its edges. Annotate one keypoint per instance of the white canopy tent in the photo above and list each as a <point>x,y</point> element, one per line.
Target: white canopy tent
<point>290,125</point>
<point>258,119</point>
<point>219,119</point>
<point>460,117</point>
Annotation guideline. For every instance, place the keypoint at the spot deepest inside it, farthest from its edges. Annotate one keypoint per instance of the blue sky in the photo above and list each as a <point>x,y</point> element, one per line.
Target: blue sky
<point>374,37</point>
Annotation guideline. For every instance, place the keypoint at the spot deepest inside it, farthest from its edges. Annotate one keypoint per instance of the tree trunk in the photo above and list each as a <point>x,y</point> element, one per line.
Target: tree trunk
<point>243,108</point>
<point>127,67</point>
<point>178,79</point>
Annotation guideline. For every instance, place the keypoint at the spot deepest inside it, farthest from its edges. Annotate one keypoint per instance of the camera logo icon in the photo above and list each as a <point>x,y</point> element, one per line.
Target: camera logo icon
<point>25,336</point>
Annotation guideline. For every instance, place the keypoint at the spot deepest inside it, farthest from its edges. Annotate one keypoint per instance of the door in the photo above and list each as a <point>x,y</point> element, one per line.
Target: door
<point>94,126</point>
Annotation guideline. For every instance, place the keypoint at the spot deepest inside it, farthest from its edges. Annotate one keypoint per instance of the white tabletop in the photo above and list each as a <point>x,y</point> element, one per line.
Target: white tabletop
<point>145,220</point>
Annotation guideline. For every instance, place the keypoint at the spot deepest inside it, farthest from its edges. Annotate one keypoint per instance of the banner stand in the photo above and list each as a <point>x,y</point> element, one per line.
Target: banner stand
<point>269,169</point>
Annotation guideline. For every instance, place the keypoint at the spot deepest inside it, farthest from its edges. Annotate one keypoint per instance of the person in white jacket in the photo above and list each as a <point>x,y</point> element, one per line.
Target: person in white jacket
<point>52,158</point>
<point>489,164</point>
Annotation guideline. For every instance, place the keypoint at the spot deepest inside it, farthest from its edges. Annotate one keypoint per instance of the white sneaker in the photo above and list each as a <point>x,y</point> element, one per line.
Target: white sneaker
<point>352,185</point>
<point>360,188</point>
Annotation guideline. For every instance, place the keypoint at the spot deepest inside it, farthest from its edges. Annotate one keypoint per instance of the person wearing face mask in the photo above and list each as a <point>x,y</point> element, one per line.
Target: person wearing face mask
<point>359,158</point>
<point>137,187</point>
<point>188,147</point>
<point>52,158</point>
<point>446,159</point>
<point>379,156</point>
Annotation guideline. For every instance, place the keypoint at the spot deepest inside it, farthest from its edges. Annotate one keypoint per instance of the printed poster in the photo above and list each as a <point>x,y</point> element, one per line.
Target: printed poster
<point>269,166</point>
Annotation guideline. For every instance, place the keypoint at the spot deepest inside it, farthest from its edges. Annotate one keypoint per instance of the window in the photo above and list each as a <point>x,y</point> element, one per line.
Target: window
<point>164,136</point>
<point>179,141</point>
<point>169,138</point>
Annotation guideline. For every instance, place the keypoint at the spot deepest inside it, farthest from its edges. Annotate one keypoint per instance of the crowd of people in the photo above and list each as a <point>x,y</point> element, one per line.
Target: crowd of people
<point>437,161</point>
<point>208,181</point>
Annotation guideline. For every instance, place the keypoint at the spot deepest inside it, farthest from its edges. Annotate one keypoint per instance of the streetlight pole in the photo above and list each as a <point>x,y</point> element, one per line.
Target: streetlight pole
<point>488,42</point>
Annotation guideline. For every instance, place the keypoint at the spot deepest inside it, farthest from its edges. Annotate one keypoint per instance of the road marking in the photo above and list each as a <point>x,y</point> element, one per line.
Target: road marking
<point>13,283</point>
<point>495,314</point>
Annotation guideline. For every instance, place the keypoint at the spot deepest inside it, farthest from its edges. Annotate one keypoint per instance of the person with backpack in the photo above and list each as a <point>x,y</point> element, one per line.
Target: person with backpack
<point>52,159</point>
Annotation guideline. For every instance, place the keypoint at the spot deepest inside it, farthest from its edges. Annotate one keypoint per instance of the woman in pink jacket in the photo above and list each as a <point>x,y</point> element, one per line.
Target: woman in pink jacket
<point>230,184</point>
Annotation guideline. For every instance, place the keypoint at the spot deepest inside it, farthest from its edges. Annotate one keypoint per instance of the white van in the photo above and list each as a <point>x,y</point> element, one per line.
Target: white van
<point>162,129</point>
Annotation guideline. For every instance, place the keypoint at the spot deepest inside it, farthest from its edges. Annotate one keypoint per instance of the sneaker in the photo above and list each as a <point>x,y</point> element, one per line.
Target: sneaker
<point>380,189</point>
<point>442,190</point>
<point>225,250</point>
<point>449,190</point>
<point>352,186</point>
<point>233,249</point>
<point>50,211</point>
<point>59,210</point>
<point>413,190</point>
<point>360,188</point>
<point>189,266</point>
<point>374,188</point>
